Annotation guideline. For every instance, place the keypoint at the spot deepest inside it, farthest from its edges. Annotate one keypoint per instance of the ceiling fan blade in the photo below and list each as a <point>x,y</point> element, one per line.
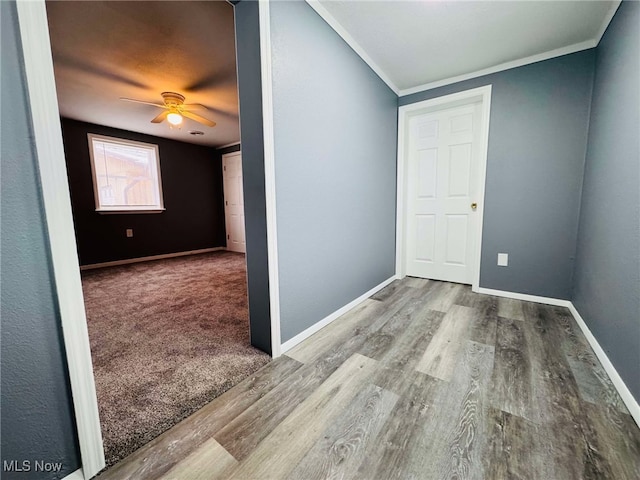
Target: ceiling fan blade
<point>193,106</point>
<point>199,119</point>
<point>160,117</point>
<point>142,101</point>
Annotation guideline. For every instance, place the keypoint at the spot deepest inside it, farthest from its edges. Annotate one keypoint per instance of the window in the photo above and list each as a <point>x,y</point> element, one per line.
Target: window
<point>126,175</point>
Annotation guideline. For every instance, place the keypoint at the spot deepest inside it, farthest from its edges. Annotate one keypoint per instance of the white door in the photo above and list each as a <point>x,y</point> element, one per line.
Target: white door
<point>442,227</point>
<point>233,201</point>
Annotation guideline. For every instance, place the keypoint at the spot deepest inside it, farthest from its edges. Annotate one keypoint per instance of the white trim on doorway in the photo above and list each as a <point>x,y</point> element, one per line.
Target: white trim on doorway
<point>481,94</point>
<point>36,47</point>
<point>270,175</point>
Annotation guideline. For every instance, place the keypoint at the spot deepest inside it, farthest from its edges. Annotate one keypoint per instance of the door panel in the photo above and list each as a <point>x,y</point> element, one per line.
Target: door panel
<point>428,168</point>
<point>426,237</point>
<point>456,240</point>
<point>459,170</point>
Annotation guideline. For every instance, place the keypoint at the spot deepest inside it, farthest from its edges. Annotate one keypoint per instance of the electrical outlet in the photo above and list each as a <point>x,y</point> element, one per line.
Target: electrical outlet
<point>129,232</point>
<point>503,259</point>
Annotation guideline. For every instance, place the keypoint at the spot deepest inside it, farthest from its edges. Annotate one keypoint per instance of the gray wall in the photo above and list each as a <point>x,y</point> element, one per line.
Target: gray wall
<point>335,147</point>
<point>250,96</point>
<point>537,143</point>
<point>607,277</point>
<point>37,417</point>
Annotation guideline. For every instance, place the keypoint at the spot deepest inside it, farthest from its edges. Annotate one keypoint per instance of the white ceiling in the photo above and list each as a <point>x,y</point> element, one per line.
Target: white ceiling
<point>106,50</point>
<point>416,43</point>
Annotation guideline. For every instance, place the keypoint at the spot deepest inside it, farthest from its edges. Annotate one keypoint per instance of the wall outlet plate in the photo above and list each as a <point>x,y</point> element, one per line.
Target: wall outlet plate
<point>503,259</point>
<point>129,232</point>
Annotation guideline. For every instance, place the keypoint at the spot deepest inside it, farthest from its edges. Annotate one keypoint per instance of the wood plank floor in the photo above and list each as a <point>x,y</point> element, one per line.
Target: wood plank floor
<point>424,380</point>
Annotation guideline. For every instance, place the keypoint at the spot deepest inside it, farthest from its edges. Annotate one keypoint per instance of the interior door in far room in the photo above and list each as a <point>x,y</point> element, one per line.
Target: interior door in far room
<point>233,201</point>
<point>442,171</point>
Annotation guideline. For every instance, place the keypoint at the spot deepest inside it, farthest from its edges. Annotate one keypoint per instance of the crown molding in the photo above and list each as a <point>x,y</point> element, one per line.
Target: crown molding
<point>607,20</point>
<point>340,30</point>
<point>577,47</point>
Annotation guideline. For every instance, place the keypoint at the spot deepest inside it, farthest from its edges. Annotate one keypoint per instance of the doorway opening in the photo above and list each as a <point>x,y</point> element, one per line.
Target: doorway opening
<point>166,303</point>
<point>442,158</point>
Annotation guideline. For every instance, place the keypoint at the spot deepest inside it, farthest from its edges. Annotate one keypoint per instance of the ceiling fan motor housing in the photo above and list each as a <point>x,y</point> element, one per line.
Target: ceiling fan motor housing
<point>172,99</point>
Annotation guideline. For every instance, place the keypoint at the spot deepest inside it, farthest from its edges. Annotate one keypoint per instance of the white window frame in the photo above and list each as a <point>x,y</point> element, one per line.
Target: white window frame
<point>159,208</point>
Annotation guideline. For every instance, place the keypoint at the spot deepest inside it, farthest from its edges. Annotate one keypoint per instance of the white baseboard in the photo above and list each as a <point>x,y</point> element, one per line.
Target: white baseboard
<point>147,259</point>
<point>558,302</point>
<point>621,387</point>
<point>77,475</point>
<point>289,344</point>
<point>618,383</point>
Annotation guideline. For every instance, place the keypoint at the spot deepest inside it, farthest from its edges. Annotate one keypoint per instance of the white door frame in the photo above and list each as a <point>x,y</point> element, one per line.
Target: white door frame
<point>47,130</point>
<point>45,117</point>
<point>481,94</point>
<point>264,16</point>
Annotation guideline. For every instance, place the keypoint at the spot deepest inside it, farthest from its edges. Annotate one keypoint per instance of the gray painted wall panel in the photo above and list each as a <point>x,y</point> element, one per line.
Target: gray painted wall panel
<point>37,412</point>
<point>607,279</point>
<point>537,138</point>
<point>250,96</point>
<point>335,147</point>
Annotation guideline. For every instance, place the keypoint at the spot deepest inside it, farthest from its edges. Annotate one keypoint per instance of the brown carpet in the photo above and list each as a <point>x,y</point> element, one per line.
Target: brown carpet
<point>167,337</point>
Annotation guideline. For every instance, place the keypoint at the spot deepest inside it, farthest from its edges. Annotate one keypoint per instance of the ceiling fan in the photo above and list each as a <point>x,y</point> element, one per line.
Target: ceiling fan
<point>175,110</point>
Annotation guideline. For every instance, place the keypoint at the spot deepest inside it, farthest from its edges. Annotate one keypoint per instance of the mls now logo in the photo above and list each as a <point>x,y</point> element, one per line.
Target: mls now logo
<point>27,466</point>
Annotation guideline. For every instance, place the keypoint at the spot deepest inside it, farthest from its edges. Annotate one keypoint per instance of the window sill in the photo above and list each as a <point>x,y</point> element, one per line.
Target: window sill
<point>109,211</point>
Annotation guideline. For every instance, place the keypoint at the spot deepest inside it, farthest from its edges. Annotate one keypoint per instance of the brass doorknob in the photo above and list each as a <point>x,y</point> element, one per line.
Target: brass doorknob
<point>474,205</point>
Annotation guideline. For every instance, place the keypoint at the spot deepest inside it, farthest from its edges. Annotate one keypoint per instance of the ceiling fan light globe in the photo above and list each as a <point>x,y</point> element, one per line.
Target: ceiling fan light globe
<point>174,118</point>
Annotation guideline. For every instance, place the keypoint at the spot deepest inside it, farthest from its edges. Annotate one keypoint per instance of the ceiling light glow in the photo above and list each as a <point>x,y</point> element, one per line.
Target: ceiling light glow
<point>174,118</point>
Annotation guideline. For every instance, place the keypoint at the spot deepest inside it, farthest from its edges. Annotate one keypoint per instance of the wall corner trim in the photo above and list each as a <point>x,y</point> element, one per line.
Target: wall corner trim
<point>342,32</point>
<point>47,132</point>
<point>624,392</point>
<point>264,19</point>
<point>289,344</point>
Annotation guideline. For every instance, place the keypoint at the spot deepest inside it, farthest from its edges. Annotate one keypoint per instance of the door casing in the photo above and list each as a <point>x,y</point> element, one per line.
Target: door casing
<point>467,97</point>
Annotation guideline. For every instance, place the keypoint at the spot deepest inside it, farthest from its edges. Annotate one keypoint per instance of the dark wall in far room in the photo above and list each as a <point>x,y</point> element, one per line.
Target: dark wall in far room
<point>193,199</point>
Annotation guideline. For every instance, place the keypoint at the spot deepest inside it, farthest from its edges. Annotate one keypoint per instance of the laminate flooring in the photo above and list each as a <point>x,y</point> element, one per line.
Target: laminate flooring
<point>424,380</point>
